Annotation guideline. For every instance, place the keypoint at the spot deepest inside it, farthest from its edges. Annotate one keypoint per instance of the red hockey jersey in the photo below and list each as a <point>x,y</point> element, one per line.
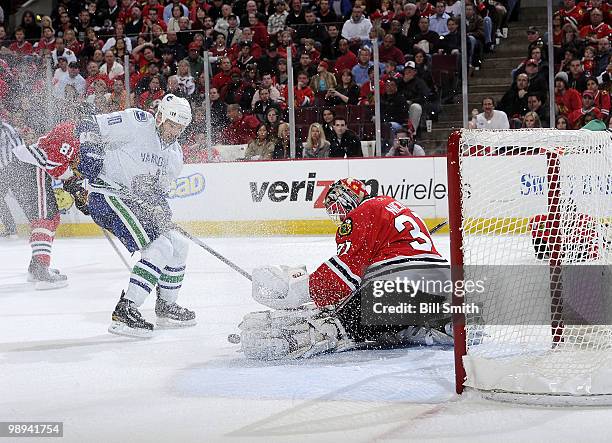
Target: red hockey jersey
<point>379,229</point>
<point>55,150</point>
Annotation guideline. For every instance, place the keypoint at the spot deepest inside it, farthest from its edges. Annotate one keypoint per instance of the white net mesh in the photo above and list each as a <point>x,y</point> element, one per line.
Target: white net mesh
<point>536,209</point>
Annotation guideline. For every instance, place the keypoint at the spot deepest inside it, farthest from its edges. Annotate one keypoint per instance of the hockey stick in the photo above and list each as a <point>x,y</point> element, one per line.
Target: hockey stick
<point>116,249</point>
<point>212,252</point>
<point>438,227</point>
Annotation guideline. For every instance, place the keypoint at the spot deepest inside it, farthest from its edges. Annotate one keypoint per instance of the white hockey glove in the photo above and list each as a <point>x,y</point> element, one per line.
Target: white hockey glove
<point>281,287</point>
<point>292,334</point>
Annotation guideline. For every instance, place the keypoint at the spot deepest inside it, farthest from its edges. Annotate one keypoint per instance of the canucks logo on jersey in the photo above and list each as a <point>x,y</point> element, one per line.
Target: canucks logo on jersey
<point>140,116</point>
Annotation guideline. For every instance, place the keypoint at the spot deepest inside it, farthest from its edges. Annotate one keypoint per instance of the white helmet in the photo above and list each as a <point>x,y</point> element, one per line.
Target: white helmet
<point>176,109</point>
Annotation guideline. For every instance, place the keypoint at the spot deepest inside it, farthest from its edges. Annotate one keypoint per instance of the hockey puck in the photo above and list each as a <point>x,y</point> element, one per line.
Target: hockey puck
<point>233,338</point>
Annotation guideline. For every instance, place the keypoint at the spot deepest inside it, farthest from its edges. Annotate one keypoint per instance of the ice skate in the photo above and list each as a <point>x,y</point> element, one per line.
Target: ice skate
<point>171,315</point>
<point>45,278</point>
<point>126,320</point>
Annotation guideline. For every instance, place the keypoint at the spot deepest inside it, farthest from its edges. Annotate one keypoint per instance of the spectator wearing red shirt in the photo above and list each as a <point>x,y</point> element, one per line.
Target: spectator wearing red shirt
<point>576,118</point>
<point>388,51</point>
<point>153,4</point>
<point>602,98</point>
<point>260,31</point>
<point>567,99</point>
<point>302,94</point>
<point>425,9</point>
<point>154,92</point>
<point>347,60</point>
<point>596,30</point>
<point>246,36</point>
<point>47,43</point>
<point>224,76</point>
<point>242,128</point>
<point>574,14</point>
<point>20,45</point>
<point>125,10</point>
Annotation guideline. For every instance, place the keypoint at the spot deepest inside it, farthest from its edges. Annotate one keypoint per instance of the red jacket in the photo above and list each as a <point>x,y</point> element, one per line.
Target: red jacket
<point>568,102</point>
<point>241,131</point>
<point>346,61</point>
<point>302,97</point>
<point>576,116</point>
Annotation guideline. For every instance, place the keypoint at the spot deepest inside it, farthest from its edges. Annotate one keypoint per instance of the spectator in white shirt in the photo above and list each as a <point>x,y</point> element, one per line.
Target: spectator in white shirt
<point>119,34</point>
<point>61,72</point>
<point>185,80</point>
<point>357,29</point>
<point>437,22</point>
<point>61,51</point>
<point>489,118</point>
<point>453,8</point>
<point>111,68</point>
<point>74,79</point>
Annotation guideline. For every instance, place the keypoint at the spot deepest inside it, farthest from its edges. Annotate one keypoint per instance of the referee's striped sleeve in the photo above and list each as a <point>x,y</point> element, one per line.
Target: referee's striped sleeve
<point>9,140</point>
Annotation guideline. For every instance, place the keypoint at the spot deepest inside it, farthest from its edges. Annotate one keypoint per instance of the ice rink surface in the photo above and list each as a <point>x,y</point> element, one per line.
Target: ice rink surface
<point>58,363</point>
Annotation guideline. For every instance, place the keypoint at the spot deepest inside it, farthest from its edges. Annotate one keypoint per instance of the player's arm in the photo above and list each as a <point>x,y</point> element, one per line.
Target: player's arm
<point>341,275</point>
<point>91,155</point>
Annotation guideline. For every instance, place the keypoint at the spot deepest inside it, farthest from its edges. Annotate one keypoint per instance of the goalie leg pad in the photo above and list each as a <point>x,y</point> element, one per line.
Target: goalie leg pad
<point>292,334</point>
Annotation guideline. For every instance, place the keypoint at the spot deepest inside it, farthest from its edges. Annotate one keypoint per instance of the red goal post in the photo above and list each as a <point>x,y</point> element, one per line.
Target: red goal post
<point>531,210</point>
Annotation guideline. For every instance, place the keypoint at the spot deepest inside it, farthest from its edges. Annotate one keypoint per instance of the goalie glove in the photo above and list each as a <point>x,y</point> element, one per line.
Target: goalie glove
<point>292,334</point>
<point>280,287</point>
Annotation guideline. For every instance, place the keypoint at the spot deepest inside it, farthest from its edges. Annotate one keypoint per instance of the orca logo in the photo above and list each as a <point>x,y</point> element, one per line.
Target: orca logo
<point>140,116</point>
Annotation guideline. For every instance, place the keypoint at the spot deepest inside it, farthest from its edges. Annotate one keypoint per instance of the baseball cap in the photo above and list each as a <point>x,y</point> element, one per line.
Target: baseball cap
<point>410,64</point>
<point>73,65</point>
<point>324,64</point>
<point>242,44</point>
<point>588,93</point>
<point>531,62</point>
<point>61,57</point>
<point>533,30</point>
<point>272,46</point>
<point>194,45</point>
<point>235,71</point>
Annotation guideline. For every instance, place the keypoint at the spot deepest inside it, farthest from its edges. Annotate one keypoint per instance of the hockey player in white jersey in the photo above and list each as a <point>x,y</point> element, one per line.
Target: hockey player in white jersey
<point>130,159</point>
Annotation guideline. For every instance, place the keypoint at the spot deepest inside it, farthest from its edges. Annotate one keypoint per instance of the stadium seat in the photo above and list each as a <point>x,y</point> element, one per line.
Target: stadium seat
<point>307,115</point>
<point>341,111</point>
<point>444,72</point>
<point>359,114</point>
<point>368,131</point>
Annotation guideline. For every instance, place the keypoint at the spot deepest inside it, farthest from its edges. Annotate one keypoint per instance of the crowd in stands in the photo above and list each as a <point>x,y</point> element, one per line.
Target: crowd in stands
<point>582,73</point>
<point>92,44</point>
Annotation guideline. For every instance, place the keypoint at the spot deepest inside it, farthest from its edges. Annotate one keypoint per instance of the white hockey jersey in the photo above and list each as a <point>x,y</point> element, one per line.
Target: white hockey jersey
<point>133,147</point>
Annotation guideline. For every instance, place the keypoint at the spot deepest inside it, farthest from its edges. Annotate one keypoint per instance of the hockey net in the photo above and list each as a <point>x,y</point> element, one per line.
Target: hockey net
<point>530,217</point>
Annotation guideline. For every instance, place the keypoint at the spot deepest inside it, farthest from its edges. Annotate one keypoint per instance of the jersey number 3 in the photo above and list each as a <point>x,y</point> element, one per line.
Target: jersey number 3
<point>422,241</point>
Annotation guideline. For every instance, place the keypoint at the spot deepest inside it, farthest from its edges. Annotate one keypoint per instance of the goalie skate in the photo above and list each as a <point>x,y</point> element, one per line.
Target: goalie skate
<point>126,320</point>
<point>171,315</point>
<point>45,278</point>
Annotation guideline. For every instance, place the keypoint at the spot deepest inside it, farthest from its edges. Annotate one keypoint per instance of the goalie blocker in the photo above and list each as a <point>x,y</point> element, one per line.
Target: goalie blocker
<point>329,310</point>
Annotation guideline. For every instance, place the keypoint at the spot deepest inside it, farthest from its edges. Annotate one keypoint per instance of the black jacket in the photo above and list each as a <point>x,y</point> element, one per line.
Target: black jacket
<point>416,90</point>
<point>348,145</point>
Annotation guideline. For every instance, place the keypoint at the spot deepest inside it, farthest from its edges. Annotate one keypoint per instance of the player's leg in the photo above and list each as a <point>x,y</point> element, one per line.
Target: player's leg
<point>33,191</point>
<point>169,313</point>
<point>426,328</point>
<point>137,231</point>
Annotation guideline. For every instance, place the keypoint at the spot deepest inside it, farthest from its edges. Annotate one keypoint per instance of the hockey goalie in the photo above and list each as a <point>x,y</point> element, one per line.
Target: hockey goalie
<point>377,237</point>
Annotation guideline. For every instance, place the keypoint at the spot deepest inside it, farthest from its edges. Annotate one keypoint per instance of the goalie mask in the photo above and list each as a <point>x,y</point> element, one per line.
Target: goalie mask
<point>344,196</point>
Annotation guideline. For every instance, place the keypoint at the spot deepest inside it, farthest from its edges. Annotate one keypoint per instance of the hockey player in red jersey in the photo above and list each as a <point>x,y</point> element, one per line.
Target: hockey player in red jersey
<point>24,173</point>
<point>378,238</point>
